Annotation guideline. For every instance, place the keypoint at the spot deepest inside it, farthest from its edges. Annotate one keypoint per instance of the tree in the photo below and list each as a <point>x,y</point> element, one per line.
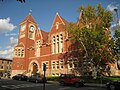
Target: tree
<point>21,1</point>
<point>18,1</point>
<point>117,45</point>
<point>91,41</point>
<point>117,40</point>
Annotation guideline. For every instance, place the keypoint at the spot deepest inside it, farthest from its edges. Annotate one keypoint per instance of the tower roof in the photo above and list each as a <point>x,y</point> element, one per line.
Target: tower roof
<point>29,18</point>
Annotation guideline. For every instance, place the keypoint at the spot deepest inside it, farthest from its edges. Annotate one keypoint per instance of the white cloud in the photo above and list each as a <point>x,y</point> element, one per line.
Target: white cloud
<point>8,53</point>
<point>13,41</point>
<point>111,7</point>
<point>6,26</point>
<point>10,34</point>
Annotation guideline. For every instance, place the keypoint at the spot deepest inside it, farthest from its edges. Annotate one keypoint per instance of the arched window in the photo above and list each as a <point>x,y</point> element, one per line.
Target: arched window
<point>54,45</point>
<point>57,43</point>
<point>31,34</point>
<point>61,43</point>
<point>38,46</point>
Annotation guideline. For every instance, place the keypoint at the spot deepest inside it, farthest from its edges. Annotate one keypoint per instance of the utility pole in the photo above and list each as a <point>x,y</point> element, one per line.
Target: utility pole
<point>44,79</point>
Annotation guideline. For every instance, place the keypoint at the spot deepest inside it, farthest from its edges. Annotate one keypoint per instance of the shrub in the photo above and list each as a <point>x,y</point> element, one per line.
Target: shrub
<point>52,78</point>
<point>100,79</point>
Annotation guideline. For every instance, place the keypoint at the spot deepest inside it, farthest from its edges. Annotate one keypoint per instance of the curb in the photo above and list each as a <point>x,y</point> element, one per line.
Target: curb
<point>86,84</point>
<point>95,85</point>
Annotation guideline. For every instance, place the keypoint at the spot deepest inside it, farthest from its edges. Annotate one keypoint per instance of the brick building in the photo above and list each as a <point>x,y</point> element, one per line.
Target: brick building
<point>36,47</point>
<point>5,66</point>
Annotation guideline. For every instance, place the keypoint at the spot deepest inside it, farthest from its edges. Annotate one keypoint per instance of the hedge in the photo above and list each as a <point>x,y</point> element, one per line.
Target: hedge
<point>89,79</point>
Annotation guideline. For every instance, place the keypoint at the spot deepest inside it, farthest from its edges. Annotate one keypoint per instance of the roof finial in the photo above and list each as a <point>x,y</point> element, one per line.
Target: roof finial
<point>30,11</point>
<point>57,13</point>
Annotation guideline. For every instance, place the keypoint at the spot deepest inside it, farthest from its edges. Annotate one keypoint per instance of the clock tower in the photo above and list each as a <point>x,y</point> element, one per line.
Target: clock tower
<point>26,40</point>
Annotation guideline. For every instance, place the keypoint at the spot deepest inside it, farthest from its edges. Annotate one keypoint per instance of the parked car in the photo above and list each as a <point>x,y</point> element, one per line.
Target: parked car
<point>113,85</point>
<point>36,78</point>
<point>70,79</point>
<point>20,77</point>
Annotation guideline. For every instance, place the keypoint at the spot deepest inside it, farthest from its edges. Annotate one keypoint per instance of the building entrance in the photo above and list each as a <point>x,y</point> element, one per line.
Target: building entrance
<point>33,68</point>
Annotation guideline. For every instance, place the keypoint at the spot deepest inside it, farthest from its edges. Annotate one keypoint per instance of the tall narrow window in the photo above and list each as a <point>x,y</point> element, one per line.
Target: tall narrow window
<point>61,64</point>
<point>57,44</point>
<point>22,53</point>
<point>57,64</point>
<point>57,25</point>
<point>54,51</point>
<point>61,43</point>
<point>38,46</point>
<point>54,45</point>
<point>53,65</point>
<point>31,34</point>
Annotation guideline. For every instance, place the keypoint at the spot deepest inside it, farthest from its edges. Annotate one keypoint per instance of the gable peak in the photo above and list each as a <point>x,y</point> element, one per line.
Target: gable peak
<point>29,17</point>
<point>80,16</point>
<point>57,13</point>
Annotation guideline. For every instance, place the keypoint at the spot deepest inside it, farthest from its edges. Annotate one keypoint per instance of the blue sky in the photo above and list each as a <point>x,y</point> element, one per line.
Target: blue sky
<point>43,11</point>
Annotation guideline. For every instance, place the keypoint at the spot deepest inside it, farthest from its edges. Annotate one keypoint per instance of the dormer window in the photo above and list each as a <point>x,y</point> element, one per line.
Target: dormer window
<point>57,25</point>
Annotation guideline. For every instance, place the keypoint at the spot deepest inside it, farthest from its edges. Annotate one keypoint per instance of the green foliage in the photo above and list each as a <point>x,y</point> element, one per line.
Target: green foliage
<point>92,37</point>
<point>96,16</point>
<point>99,79</point>
<point>52,78</point>
<point>89,79</point>
<point>117,36</point>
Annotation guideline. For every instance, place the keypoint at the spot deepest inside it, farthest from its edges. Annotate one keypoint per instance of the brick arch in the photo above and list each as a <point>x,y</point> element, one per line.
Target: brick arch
<point>30,68</point>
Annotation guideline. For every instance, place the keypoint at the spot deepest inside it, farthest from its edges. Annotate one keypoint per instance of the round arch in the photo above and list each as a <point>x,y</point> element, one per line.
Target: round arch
<point>34,67</point>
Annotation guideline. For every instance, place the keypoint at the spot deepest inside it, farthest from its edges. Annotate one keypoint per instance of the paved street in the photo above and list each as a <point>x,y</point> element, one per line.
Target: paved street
<point>23,85</point>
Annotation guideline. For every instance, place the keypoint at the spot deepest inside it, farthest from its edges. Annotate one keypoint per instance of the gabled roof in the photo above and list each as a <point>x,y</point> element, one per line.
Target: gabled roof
<point>65,22</point>
<point>79,19</point>
<point>62,20</point>
<point>20,45</point>
<point>40,34</point>
<point>6,59</point>
<point>29,18</point>
<point>59,19</point>
<point>44,34</point>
